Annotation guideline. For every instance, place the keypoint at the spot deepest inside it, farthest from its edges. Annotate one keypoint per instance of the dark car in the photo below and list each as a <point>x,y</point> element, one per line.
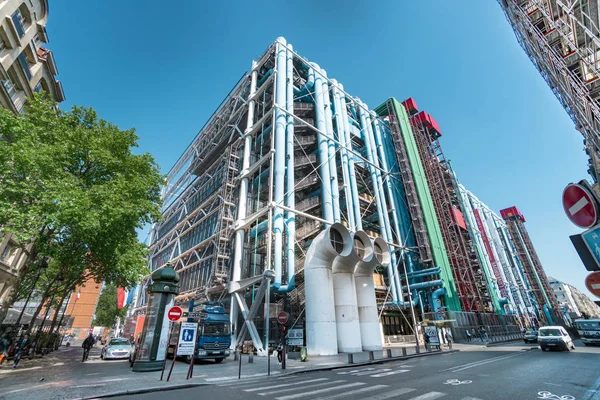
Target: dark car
<point>531,336</point>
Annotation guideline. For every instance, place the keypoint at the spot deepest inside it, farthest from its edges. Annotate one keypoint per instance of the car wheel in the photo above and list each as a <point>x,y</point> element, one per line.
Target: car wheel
<point>219,360</point>
<point>544,349</point>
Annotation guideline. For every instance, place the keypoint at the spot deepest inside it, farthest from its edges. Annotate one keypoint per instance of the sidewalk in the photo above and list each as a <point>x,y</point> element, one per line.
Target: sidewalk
<point>62,375</point>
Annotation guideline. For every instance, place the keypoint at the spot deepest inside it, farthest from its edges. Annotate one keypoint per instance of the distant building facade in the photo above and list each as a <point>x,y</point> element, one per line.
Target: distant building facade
<point>575,302</point>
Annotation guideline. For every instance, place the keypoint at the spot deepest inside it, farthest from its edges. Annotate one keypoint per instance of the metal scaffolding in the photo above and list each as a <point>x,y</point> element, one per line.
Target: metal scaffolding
<point>468,275</point>
<point>562,39</point>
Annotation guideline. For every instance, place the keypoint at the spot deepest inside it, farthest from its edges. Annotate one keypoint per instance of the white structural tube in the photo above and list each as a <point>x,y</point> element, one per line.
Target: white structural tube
<point>323,147</point>
<point>352,171</point>
<point>341,120</point>
<point>335,194</point>
<point>279,157</point>
<point>365,295</point>
<point>243,196</point>
<point>344,291</point>
<point>384,222</point>
<point>321,332</point>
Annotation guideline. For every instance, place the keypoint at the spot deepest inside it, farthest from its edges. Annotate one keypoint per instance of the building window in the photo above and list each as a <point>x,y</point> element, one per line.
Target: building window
<point>25,65</point>
<point>38,87</point>
<point>8,254</point>
<point>19,22</point>
<point>10,88</point>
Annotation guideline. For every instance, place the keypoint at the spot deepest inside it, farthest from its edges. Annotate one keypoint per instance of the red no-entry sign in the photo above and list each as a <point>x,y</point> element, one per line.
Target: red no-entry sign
<point>592,282</point>
<point>174,313</point>
<point>580,205</point>
<point>283,317</point>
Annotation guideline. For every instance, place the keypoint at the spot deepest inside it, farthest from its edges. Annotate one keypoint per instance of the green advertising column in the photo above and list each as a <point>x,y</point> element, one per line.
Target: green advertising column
<point>155,335</point>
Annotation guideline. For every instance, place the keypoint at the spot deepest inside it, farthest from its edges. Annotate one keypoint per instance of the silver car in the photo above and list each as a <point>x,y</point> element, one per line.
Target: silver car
<point>116,348</point>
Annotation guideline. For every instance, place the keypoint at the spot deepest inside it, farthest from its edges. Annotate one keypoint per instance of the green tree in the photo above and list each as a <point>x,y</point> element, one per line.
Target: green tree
<point>73,192</point>
<point>106,310</point>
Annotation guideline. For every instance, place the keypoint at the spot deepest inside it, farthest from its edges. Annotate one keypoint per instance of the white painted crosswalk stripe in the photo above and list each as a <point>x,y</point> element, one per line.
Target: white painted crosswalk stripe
<point>285,385</point>
<point>353,392</point>
<point>470,398</point>
<point>389,395</point>
<point>355,371</point>
<point>429,396</point>
<point>398,371</point>
<point>289,389</point>
<point>371,372</point>
<point>325,390</point>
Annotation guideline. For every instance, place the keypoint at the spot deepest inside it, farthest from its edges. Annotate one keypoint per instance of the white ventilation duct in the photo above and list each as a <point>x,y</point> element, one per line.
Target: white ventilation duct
<point>365,294</point>
<point>321,332</point>
<point>344,290</point>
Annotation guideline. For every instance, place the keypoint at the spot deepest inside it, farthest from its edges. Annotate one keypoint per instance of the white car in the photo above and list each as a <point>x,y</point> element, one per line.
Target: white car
<point>116,348</point>
<point>554,337</point>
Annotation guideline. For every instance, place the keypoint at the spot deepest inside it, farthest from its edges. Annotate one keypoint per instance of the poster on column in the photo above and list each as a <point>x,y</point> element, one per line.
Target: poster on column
<point>431,331</point>
<point>164,334</point>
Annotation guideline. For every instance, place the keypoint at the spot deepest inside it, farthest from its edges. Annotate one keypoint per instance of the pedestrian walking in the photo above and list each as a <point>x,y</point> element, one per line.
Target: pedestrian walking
<point>449,339</point>
<point>426,339</point>
<point>87,345</point>
<point>469,335</point>
<point>22,349</point>
<point>280,352</point>
<point>482,334</point>
<point>5,343</point>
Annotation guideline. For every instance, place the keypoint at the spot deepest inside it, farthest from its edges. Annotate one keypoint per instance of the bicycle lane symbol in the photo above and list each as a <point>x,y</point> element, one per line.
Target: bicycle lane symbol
<point>550,396</point>
<point>456,382</point>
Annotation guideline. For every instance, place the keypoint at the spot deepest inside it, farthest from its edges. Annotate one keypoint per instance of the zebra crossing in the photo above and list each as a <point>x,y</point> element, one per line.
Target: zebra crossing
<point>375,372</point>
<point>324,388</point>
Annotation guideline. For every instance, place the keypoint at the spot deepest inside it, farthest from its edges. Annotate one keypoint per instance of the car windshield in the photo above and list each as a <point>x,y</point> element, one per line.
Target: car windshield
<point>216,329</point>
<point>118,342</point>
<point>531,333</point>
<point>550,332</point>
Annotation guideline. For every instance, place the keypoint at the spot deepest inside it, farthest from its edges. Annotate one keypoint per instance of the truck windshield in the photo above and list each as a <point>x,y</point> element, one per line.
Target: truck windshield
<point>216,329</point>
<point>550,332</point>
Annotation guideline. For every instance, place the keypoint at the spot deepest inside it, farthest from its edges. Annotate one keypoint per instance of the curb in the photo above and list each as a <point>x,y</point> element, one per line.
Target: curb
<point>329,368</point>
<point>145,390</point>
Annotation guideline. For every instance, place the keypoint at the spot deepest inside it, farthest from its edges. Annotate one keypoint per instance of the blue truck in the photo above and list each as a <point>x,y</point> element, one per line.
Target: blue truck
<point>214,334</point>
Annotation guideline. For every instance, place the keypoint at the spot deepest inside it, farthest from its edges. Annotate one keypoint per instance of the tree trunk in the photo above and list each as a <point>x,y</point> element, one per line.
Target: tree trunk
<point>39,308</point>
<point>56,312</point>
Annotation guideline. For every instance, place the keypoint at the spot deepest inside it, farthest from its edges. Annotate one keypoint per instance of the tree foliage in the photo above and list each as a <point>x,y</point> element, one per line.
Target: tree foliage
<point>106,311</point>
<point>73,190</point>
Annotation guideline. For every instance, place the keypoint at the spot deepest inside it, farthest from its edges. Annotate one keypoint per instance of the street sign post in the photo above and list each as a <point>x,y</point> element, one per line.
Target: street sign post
<point>592,282</point>
<point>283,317</point>
<point>580,205</point>
<point>591,238</point>
<point>187,338</point>
<point>174,313</point>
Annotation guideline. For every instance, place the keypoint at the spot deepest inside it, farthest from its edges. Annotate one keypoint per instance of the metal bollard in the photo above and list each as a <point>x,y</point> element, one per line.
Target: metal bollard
<point>235,355</point>
<point>389,353</point>
<point>404,351</point>
<point>251,358</point>
<point>350,358</point>
<point>371,356</point>
<point>418,349</point>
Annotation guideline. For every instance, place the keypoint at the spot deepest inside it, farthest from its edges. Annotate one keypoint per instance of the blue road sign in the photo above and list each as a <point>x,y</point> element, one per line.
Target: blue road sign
<point>592,241</point>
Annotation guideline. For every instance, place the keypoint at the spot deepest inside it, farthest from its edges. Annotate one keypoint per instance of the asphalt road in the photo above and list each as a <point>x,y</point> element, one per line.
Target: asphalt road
<point>508,372</point>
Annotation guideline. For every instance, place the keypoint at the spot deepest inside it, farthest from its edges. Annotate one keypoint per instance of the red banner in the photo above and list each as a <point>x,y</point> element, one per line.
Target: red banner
<point>120,298</point>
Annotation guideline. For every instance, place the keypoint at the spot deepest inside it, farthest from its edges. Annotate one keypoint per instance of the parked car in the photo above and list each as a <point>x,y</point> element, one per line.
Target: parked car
<point>531,336</point>
<point>116,348</point>
<point>555,337</point>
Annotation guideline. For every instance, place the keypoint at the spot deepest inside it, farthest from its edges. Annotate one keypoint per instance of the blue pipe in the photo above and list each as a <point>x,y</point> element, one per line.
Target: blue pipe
<point>262,176</point>
<point>415,275</point>
<point>548,315</point>
<point>425,285</point>
<point>308,86</point>
<point>351,167</point>
<point>430,271</point>
<point>290,200</point>
<point>435,296</point>
<point>260,135</point>
<point>259,229</point>
<point>326,197</point>
<point>502,301</point>
<point>381,204</point>
<point>264,78</point>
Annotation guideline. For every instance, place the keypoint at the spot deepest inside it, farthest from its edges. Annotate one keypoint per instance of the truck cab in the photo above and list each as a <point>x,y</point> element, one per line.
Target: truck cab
<point>214,334</point>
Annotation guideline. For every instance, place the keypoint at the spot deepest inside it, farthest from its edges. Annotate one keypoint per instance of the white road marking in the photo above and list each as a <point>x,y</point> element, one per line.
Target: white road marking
<point>370,372</point>
<point>575,208</point>
<point>470,398</point>
<point>289,389</point>
<point>387,395</point>
<point>285,385</point>
<point>482,362</point>
<point>429,396</point>
<point>352,392</point>
<point>355,371</point>
<point>92,385</point>
<point>329,389</point>
<point>231,378</point>
<point>398,371</point>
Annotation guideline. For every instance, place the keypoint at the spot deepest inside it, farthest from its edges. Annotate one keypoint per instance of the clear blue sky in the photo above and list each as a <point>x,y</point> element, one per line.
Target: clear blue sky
<point>164,67</point>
